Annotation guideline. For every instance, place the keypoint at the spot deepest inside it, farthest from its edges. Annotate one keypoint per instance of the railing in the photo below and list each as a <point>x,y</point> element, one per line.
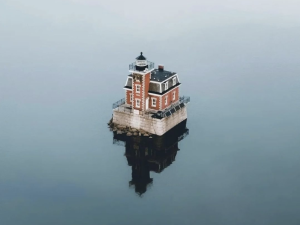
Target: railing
<point>186,133</point>
<point>184,99</point>
<point>118,103</point>
<point>175,107</point>
<point>150,65</point>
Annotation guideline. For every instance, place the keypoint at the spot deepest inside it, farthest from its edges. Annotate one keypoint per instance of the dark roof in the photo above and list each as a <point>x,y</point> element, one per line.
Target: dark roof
<point>141,57</point>
<point>161,75</point>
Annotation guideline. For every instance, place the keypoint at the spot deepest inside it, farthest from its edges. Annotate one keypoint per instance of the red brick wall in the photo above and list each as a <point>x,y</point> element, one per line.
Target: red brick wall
<point>147,84</point>
<point>128,97</point>
<point>145,90</point>
<point>137,95</point>
<point>176,94</point>
<point>157,102</point>
<point>170,98</point>
<point>145,79</point>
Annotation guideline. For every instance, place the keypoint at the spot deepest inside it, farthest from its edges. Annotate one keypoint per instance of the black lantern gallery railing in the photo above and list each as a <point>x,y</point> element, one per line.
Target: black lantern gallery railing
<point>150,65</point>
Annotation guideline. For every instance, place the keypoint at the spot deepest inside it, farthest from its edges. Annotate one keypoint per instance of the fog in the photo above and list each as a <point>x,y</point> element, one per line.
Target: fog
<point>63,63</point>
<point>43,38</point>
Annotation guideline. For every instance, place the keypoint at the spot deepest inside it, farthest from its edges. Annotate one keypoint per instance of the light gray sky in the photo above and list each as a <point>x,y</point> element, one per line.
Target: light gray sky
<point>133,23</point>
<point>149,17</point>
<point>38,36</point>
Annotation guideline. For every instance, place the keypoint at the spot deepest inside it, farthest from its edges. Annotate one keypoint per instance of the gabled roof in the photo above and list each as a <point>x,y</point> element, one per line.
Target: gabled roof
<point>141,57</point>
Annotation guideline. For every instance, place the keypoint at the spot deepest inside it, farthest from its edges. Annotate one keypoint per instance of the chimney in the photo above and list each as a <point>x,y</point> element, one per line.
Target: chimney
<point>160,67</point>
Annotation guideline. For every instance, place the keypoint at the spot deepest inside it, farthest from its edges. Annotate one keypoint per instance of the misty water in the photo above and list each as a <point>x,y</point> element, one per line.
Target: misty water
<point>239,163</point>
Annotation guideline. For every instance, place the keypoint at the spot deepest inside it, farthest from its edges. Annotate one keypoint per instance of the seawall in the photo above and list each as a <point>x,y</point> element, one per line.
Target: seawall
<point>147,123</point>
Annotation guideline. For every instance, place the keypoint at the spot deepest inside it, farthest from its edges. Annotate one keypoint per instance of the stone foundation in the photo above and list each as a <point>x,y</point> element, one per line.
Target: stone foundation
<point>147,123</point>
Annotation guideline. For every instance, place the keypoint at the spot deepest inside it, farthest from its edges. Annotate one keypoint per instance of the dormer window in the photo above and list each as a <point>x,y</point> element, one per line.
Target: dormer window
<point>166,86</point>
<point>174,81</point>
<point>138,88</point>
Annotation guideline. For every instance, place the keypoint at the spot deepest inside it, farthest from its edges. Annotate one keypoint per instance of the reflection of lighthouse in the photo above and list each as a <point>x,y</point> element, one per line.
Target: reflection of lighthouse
<point>146,154</point>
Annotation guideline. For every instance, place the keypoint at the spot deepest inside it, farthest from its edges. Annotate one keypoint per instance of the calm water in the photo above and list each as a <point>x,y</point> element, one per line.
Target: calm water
<point>238,165</point>
<point>58,161</point>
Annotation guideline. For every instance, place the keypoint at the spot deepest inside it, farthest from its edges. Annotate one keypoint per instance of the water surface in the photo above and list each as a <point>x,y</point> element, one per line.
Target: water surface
<point>59,165</point>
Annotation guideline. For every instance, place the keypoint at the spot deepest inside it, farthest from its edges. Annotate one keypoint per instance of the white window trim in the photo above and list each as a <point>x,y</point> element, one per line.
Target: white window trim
<point>138,88</point>
<point>174,95</point>
<point>174,81</point>
<point>166,100</point>
<point>153,102</point>
<point>166,86</point>
<point>138,103</point>
<point>130,97</point>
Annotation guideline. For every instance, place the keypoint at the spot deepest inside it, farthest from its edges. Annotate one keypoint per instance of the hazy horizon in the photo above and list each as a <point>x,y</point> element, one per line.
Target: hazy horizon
<point>62,65</point>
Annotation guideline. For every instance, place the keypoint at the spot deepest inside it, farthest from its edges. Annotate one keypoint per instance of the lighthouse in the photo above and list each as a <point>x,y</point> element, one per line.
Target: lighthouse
<point>152,102</point>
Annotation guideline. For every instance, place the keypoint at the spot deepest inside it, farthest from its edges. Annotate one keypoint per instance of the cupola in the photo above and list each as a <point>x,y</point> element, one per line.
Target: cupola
<point>141,63</point>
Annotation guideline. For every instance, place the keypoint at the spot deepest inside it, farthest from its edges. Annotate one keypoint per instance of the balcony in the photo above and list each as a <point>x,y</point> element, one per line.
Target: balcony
<point>150,66</point>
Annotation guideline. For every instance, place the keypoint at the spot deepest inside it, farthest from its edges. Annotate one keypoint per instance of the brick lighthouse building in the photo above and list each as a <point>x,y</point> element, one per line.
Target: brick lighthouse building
<point>151,89</point>
<point>152,102</point>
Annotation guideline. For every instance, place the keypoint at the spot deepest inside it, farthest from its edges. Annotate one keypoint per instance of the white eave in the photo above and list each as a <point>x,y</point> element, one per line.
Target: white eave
<point>141,72</point>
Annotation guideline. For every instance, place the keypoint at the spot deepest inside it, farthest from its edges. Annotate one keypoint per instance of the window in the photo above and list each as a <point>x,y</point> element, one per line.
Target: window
<point>174,81</point>
<point>166,100</point>
<point>166,86</point>
<point>174,95</point>
<point>138,103</point>
<point>138,88</point>
<point>130,97</point>
<point>153,102</point>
